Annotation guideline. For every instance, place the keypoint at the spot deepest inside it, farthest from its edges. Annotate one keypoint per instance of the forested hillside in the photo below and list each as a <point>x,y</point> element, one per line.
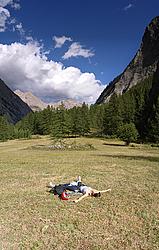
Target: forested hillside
<point>133,116</point>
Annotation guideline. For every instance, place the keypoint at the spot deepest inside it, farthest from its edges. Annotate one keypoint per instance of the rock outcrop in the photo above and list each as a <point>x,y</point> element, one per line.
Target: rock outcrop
<point>11,105</point>
<point>143,65</point>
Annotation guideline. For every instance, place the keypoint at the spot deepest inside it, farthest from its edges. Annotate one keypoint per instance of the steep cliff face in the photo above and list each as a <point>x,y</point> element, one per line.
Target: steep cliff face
<point>11,105</point>
<point>143,65</point>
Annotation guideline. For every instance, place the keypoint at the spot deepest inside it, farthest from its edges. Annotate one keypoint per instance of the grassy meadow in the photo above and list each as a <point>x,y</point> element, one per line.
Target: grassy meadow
<point>127,218</point>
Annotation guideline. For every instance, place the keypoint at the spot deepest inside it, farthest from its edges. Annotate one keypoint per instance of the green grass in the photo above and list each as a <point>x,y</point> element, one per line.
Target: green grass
<point>125,218</point>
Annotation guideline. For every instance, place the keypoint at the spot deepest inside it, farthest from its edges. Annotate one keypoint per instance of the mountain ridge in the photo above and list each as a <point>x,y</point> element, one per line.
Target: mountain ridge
<point>36,104</point>
<point>142,66</point>
<point>32,101</point>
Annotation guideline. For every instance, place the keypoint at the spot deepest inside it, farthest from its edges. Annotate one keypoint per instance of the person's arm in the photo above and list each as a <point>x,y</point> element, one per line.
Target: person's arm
<point>81,198</point>
<point>87,194</point>
<point>104,191</point>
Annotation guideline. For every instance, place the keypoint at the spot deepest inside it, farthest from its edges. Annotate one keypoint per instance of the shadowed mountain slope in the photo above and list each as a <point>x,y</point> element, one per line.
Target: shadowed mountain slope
<point>11,105</point>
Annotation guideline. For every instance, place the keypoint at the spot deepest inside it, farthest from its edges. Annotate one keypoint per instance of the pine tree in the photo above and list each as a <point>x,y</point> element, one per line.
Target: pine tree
<point>96,117</point>
<point>128,132</point>
<point>128,110</point>
<point>45,120</point>
<point>153,124</point>
<point>27,123</point>
<point>84,112</point>
<point>76,128</point>
<point>112,117</point>
<point>59,127</point>
<point>141,95</point>
<point>68,122</point>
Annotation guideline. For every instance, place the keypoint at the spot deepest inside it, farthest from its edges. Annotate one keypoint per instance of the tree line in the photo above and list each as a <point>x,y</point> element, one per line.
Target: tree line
<point>133,116</point>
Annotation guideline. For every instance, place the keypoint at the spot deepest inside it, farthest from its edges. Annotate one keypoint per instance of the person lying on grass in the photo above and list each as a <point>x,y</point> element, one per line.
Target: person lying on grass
<point>62,189</point>
<point>88,191</point>
<point>76,187</point>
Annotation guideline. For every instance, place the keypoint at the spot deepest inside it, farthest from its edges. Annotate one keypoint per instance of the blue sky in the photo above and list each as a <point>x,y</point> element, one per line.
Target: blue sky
<point>101,39</point>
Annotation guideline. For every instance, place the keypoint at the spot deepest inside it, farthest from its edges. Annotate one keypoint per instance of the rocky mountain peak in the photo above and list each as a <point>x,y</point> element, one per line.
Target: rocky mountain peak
<point>33,102</point>
<point>36,104</point>
<point>143,65</point>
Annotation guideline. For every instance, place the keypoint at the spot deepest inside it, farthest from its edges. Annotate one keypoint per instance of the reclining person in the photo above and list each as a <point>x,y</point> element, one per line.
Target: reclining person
<point>88,191</point>
<point>62,189</point>
<point>76,186</point>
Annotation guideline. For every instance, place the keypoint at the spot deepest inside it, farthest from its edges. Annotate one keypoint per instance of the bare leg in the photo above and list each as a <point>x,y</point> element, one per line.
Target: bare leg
<point>87,194</point>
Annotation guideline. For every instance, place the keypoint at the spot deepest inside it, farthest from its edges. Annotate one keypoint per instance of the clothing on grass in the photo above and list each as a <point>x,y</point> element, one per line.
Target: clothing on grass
<point>74,186</point>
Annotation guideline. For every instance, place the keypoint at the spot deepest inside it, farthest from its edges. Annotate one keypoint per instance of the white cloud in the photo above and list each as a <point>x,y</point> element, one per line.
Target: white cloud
<point>20,29</point>
<point>29,38</point>
<point>4,15</point>
<point>4,3</point>
<point>12,21</point>
<point>77,50</point>
<point>129,6</point>
<point>14,3</point>
<point>34,72</point>
<point>16,6</point>
<point>59,41</point>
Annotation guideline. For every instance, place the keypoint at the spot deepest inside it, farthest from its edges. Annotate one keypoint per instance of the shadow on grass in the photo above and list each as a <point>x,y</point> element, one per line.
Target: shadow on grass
<point>114,144</point>
<point>134,158</point>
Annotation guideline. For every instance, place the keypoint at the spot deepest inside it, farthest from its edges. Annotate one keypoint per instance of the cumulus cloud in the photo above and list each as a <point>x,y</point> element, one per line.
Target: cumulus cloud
<point>34,72</point>
<point>5,14</point>
<point>59,41</point>
<point>16,6</point>
<point>76,50</point>
<point>29,38</point>
<point>20,29</point>
<point>129,6</point>
<point>3,3</point>
<point>14,3</point>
